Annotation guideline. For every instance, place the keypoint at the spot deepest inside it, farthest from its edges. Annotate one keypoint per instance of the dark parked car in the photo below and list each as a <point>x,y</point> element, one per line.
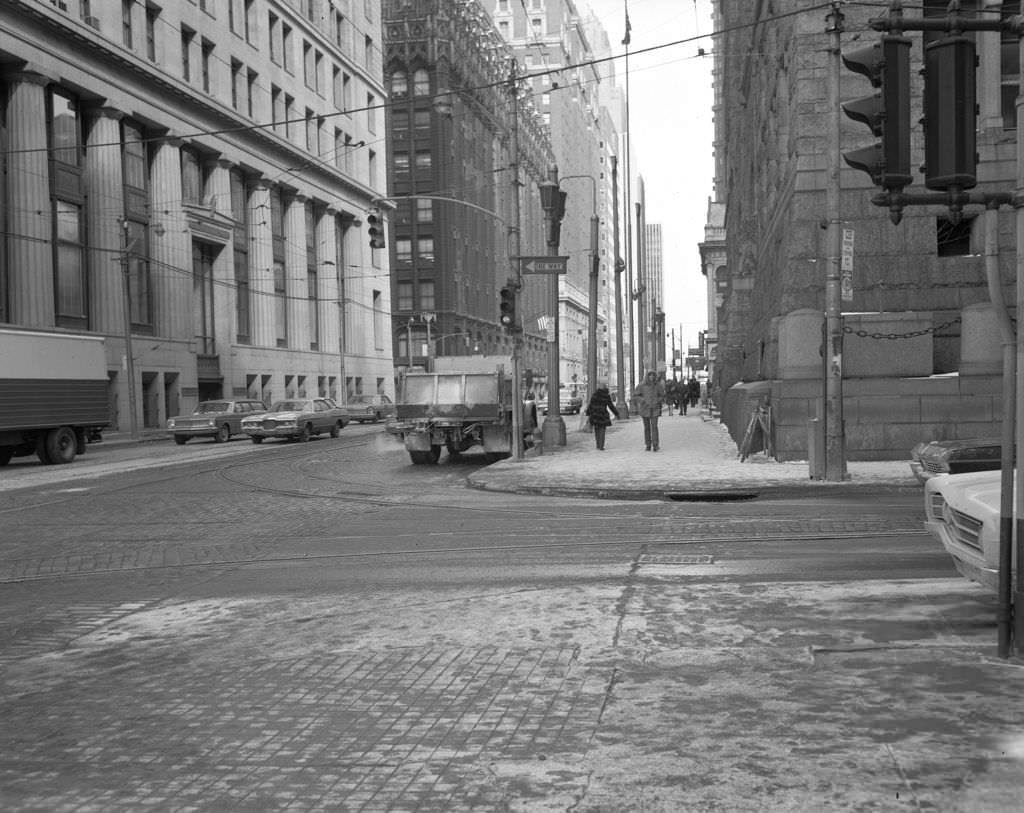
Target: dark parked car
<point>298,419</point>
<point>213,419</point>
<point>955,457</point>
<point>361,408</point>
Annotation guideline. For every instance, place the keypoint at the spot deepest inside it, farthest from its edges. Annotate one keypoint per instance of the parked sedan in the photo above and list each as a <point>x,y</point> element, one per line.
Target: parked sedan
<point>962,512</point>
<point>296,418</point>
<point>362,408</point>
<point>214,419</point>
<point>955,457</point>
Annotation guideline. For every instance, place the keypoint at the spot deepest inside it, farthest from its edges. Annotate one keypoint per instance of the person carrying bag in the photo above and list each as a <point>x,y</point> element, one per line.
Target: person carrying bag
<point>598,409</point>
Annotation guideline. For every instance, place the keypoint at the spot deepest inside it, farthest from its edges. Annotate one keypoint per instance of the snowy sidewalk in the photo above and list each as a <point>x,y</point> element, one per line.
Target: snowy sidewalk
<point>697,457</point>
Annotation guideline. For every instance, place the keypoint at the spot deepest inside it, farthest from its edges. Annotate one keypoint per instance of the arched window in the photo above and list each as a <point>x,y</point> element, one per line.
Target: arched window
<point>421,83</point>
<point>399,83</point>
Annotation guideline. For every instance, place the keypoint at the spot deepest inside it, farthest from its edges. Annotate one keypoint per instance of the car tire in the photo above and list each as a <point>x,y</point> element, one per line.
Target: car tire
<point>6,453</point>
<point>377,416</point>
<point>305,434</point>
<point>223,434</point>
<point>257,439</point>
<point>181,440</point>
<point>336,429</point>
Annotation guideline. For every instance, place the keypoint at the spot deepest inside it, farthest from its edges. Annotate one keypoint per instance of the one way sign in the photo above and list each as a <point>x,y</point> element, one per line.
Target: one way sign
<point>543,265</point>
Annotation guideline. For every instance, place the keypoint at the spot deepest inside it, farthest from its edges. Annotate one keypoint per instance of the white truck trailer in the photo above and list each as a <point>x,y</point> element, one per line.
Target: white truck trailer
<point>53,394</point>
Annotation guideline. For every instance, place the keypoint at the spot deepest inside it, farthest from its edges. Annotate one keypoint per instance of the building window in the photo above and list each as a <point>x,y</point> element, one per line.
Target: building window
<point>424,211</point>
<point>346,92</point>
<point>425,250</point>
<point>127,34</point>
<point>277,238</point>
<point>274,30</point>
<point>307,64</point>
<point>399,84</point>
<point>286,48</point>
<point>192,180</point>
<point>206,55</point>
<point>368,51</point>
<point>403,250</point>
<point>421,83</point>
<point>401,162</point>
<point>277,112</point>
<point>371,113</point>
<point>240,241</point>
<point>187,35</point>
<point>312,280</point>
<point>426,288</point>
<point>152,15</point>
<point>371,163</point>
<point>289,115</point>
<point>251,83</point>
<point>336,87</point>
<point>423,159</point>
<point>70,272</point>
<point>136,196</point>
<point>250,20</point>
<point>404,292</point>
<point>236,83</point>
<point>421,120</point>
<point>378,321</point>
<point>311,132</point>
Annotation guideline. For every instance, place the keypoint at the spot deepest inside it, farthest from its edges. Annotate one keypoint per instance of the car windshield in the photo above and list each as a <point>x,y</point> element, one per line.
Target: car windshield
<point>290,406</point>
<point>211,406</point>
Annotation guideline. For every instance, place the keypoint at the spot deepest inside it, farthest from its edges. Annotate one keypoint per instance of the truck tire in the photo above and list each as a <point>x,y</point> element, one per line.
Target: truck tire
<point>61,445</point>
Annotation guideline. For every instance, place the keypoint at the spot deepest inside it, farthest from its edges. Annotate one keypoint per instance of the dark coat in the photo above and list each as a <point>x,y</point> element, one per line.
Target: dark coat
<point>599,406</point>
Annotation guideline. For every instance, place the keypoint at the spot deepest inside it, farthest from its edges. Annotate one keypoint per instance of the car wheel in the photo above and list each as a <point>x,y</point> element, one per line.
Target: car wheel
<point>6,453</point>
<point>257,439</point>
<point>181,440</point>
<point>377,416</point>
<point>223,434</point>
<point>305,434</point>
<point>336,429</point>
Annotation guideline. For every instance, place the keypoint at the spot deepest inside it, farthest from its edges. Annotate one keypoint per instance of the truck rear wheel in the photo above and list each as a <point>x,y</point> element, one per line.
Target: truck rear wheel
<point>60,445</point>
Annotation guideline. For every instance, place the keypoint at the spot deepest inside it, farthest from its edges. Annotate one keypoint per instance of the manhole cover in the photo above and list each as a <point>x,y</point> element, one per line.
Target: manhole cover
<point>674,559</point>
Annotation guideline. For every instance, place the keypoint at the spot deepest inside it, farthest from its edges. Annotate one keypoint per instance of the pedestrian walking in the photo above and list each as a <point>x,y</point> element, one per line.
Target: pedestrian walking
<point>671,394</point>
<point>693,391</point>
<point>649,396</point>
<point>598,407</point>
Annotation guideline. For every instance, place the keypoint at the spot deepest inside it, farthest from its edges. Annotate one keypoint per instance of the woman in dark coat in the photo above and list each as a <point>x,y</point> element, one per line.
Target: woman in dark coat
<point>599,406</point>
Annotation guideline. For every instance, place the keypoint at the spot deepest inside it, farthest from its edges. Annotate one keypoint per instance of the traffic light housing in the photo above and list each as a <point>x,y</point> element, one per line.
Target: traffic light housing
<point>886,64</point>
<point>376,229</point>
<point>950,114</point>
<point>507,307</point>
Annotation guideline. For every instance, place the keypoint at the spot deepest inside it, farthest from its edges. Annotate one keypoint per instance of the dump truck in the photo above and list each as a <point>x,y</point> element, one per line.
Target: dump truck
<point>456,410</point>
<point>53,394</point>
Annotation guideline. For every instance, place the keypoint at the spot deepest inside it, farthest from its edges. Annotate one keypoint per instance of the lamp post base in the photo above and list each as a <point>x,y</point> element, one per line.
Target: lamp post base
<point>553,431</point>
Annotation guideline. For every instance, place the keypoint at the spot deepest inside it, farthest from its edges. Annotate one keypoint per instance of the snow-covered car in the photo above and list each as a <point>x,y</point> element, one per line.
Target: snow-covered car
<point>955,457</point>
<point>962,512</point>
<point>298,418</point>
<point>362,408</point>
<point>214,419</point>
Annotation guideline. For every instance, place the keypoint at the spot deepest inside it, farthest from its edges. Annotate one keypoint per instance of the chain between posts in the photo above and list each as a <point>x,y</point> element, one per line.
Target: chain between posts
<point>911,335</point>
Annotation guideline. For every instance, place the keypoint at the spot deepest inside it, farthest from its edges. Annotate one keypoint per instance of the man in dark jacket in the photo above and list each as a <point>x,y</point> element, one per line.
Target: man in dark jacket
<point>597,412</point>
<point>649,396</point>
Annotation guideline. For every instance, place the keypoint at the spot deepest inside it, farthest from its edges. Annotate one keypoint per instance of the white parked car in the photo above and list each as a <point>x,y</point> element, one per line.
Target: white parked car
<point>962,512</point>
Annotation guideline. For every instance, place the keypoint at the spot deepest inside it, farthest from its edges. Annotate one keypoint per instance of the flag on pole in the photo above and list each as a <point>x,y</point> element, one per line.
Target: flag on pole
<point>626,39</point>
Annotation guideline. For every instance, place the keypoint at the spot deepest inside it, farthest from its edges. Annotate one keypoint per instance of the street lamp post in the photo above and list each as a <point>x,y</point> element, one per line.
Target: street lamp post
<point>595,271</point>
<point>553,202</point>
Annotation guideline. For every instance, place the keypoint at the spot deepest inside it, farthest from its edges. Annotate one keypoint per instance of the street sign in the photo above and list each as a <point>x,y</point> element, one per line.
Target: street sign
<point>543,265</point>
<point>846,267</point>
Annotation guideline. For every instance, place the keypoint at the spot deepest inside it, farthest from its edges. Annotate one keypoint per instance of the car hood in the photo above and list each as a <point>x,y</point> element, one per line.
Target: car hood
<point>976,493</point>
<point>277,416</point>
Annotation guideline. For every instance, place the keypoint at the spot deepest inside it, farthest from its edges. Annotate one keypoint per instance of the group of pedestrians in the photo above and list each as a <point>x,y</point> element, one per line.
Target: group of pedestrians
<point>649,397</point>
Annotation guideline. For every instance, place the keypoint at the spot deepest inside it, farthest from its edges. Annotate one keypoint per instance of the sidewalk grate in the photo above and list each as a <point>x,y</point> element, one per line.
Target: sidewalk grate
<point>675,559</point>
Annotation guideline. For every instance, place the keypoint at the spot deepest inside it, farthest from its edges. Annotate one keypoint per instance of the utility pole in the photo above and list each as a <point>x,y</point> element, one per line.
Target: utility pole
<point>835,440</point>
<point>129,351</point>
<point>620,360</point>
<point>553,201</point>
<point>516,272</point>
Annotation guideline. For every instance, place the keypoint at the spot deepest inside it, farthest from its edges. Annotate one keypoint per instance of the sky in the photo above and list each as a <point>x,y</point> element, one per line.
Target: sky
<point>671,136</point>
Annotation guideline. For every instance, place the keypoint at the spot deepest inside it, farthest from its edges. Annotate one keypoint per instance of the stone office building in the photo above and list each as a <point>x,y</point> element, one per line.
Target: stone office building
<point>190,181</point>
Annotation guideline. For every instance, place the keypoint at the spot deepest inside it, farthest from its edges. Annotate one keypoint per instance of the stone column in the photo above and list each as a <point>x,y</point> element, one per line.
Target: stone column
<point>295,273</point>
<point>104,184</point>
<point>170,246</point>
<point>30,243</point>
<point>328,274</point>
<point>261,266</point>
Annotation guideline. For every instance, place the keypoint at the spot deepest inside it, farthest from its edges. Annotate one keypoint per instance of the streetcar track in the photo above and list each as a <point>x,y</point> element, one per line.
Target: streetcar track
<point>263,560</point>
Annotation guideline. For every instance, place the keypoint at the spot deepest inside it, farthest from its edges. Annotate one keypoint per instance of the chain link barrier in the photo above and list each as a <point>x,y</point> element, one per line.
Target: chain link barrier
<point>911,335</point>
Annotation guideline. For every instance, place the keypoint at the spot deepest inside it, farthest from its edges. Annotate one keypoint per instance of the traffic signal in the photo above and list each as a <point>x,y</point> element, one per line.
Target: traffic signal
<point>507,307</point>
<point>557,215</point>
<point>886,111</point>
<point>376,224</point>
<point>950,114</point>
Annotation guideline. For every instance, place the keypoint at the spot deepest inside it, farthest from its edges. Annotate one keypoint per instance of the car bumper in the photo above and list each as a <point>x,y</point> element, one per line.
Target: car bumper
<point>277,432</point>
<point>970,563</point>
